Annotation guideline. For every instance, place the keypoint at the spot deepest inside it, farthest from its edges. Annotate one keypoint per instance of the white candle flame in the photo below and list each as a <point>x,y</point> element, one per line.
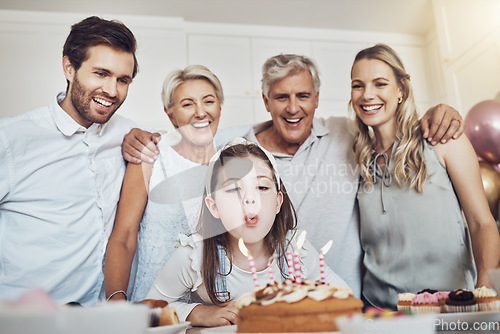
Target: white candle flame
<point>243,248</point>
<point>326,247</point>
<point>300,240</point>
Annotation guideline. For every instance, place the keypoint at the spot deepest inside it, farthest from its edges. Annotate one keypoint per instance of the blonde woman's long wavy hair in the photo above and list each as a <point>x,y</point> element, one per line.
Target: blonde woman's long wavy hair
<point>409,164</point>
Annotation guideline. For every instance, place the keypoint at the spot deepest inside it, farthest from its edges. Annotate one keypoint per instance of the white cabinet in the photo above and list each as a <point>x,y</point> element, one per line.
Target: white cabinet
<point>30,60</point>
<point>32,43</point>
<point>462,23</point>
<point>334,60</point>
<point>415,64</point>
<point>161,48</point>
<point>475,75</point>
<point>227,57</point>
<point>31,67</point>
<point>237,61</point>
<point>237,111</point>
<point>469,39</point>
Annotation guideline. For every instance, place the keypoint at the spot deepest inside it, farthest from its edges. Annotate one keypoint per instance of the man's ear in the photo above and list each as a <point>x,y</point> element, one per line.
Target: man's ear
<point>266,102</point>
<point>68,69</point>
<point>212,207</point>
<point>279,202</point>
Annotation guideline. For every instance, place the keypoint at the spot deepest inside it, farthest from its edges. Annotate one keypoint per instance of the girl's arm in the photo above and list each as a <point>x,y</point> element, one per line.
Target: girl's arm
<point>214,316</point>
<point>176,278</point>
<point>123,240</point>
<point>462,165</point>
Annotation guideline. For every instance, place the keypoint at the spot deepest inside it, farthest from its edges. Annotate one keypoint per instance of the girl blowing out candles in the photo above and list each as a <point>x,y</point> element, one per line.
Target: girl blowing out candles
<point>412,194</point>
<point>244,198</point>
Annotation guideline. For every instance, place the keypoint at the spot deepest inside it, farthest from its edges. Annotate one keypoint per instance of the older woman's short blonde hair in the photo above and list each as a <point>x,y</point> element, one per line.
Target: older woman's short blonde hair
<point>192,72</point>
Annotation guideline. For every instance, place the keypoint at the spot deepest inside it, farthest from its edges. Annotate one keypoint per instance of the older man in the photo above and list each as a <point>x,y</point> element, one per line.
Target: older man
<point>62,170</point>
<point>314,158</point>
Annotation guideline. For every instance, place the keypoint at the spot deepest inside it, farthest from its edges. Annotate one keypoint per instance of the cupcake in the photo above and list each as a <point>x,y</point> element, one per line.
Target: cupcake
<point>487,299</point>
<point>404,301</point>
<point>425,303</point>
<point>442,296</point>
<point>461,301</point>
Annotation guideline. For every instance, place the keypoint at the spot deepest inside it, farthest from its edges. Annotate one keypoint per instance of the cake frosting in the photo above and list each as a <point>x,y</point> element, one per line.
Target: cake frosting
<point>487,299</point>
<point>484,292</point>
<point>289,307</point>
<point>289,292</point>
<point>425,298</point>
<point>442,295</point>
<point>404,301</point>
<point>406,296</point>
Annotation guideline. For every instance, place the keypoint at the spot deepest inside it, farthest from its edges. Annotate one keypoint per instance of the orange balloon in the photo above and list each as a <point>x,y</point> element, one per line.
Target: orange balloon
<point>491,184</point>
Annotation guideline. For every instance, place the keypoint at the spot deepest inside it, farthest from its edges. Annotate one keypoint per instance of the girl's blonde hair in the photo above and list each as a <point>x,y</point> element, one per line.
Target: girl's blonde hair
<point>409,164</point>
<point>215,235</point>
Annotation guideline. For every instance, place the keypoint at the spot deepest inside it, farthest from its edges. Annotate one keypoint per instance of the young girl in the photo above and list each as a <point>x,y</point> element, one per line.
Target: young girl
<point>244,198</point>
<point>412,193</point>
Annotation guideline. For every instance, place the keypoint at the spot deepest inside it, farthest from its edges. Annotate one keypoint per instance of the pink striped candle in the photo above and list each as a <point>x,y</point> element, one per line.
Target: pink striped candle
<point>270,270</point>
<point>296,261</point>
<point>251,261</point>
<point>322,253</point>
<point>290,265</point>
<point>296,257</point>
<point>322,267</point>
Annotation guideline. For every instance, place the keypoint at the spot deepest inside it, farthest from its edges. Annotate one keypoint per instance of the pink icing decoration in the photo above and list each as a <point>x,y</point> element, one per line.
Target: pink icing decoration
<point>442,294</point>
<point>424,298</point>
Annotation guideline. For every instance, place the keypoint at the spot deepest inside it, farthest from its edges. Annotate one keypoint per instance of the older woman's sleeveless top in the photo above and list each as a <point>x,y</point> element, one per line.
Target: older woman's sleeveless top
<point>412,240</point>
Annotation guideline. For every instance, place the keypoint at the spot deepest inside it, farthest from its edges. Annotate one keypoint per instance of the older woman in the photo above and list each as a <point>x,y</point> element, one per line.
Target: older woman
<point>158,201</point>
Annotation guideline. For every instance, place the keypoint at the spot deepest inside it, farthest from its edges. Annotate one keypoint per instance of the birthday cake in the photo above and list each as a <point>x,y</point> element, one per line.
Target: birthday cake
<point>289,307</point>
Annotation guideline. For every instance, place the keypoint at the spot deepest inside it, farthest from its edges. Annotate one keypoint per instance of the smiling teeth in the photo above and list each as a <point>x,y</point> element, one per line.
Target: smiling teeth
<point>295,120</point>
<point>370,108</point>
<point>200,125</point>
<point>103,102</point>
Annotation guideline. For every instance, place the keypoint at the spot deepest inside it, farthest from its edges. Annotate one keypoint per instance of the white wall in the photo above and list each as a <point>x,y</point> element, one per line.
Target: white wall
<point>30,61</point>
<point>468,41</point>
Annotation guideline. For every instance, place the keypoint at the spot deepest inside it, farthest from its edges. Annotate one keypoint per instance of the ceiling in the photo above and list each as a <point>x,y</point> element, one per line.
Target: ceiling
<point>397,16</point>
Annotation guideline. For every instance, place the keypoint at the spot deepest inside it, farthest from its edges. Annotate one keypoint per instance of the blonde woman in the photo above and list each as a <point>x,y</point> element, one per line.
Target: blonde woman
<point>412,193</point>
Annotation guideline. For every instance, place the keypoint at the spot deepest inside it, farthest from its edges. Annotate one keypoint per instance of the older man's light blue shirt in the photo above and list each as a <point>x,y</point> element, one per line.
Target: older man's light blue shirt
<point>59,188</point>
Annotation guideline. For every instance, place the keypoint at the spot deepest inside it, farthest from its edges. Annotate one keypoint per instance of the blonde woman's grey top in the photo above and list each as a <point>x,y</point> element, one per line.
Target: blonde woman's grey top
<point>412,240</point>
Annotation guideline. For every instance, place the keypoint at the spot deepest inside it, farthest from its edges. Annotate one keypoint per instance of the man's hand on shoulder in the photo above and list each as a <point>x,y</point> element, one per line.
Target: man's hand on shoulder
<point>140,146</point>
<point>441,123</point>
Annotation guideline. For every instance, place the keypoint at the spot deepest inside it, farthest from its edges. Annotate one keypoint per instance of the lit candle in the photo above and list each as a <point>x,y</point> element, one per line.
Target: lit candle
<point>322,253</point>
<point>300,242</point>
<point>270,269</point>
<point>246,252</point>
<point>289,261</point>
